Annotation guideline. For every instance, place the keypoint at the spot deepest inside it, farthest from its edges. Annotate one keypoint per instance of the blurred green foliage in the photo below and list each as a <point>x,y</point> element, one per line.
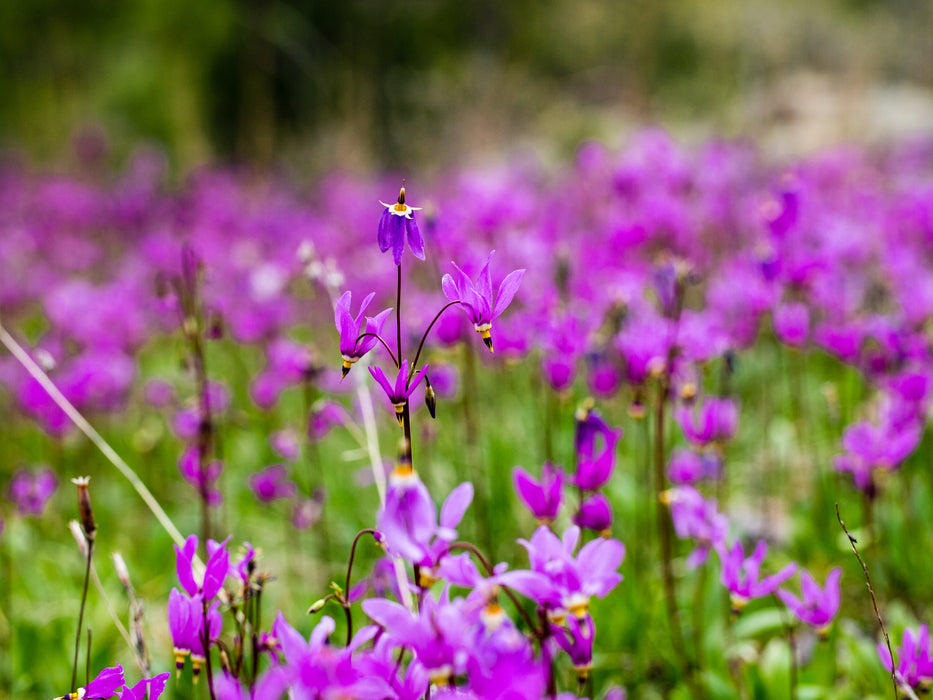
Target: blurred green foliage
<point>361,83</point>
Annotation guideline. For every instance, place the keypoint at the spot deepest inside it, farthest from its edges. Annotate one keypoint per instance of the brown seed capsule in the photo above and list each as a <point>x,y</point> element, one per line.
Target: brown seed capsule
<point>84,507</point>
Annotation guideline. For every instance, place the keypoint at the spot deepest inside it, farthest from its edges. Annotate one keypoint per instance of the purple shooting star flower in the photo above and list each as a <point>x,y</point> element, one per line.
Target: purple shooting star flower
<point>543,498</point>
<point>106,685</point>
<point>397,220</point>
<point>352,347</point>
<point>399,393</point>
<point>740,575</point>
<point>476,298</point>
<point>151,688</point>
<point>819,606</point>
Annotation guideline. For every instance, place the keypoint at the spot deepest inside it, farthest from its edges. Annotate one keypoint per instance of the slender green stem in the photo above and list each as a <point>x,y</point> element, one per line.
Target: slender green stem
<point>874,602</point>
<point>87,578</point>
<point>206,641</point>
<point>398,315</point>
<point>87,659</point>
<point>378,337</point>
<point>346,589</point>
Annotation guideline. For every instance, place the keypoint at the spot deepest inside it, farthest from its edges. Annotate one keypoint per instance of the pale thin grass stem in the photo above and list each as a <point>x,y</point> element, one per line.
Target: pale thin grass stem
<point>85,427</point>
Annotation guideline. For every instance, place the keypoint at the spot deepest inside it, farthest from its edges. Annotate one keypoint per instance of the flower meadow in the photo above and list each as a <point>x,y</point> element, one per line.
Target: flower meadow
<point>647,424</point>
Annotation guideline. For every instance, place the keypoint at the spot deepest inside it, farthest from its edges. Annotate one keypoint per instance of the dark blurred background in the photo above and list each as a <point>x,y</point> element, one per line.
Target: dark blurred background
<point>425,83</point>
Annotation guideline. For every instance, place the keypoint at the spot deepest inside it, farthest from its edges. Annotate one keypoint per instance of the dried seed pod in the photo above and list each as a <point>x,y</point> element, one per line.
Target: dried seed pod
<point>84,507</point>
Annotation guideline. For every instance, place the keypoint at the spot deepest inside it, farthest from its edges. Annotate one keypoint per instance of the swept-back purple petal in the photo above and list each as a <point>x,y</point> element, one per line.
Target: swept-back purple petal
<point>451,291</point>
<point>456,504</point>
<point>381,379</point>
<point>484,280</point>
<point>342,308</point>
<point>416,380</point>
<point>507,289</point>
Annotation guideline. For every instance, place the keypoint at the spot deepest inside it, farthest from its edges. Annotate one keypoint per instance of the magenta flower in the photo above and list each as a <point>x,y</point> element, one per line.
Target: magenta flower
<point>352,347</point>
<point>106,685</point>
<point>216,570</point>
<point>792,323</point>
<point>397,220</point>
<point>596,451</point>
<point>819,606</point>
<point>697,518</point>
<point>595,513</point>
<point>688,467</point>
<point>409,522</point>
<point>573,579</point>
<point>151,688</point>
<point>715,421</point>
<point>399,393</point>
<point>476,299</point>
<point>439,633</point>
<point>543,498</point>
<point>915,665</point>
<point>576,638</point>
<point>740,575</point>
<point>272,483</point>
<point>30,491</point>
<point>204,480</point>
<point>871,447</point>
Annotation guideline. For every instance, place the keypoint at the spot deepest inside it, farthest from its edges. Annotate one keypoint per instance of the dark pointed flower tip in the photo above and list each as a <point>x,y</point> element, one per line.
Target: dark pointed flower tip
<point>485,332</point>
<point>345,370</point>
<point>400,412</point>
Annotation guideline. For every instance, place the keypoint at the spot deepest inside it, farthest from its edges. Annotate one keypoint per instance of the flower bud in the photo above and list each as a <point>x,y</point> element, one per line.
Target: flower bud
<point>430,398</point>
<point>122,572</point>
<point>84,507</point>
<point>316,606</point>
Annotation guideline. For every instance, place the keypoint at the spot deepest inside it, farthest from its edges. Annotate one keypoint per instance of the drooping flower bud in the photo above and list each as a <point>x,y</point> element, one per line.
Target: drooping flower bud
<point>430,398</point>
<point>84,507</point>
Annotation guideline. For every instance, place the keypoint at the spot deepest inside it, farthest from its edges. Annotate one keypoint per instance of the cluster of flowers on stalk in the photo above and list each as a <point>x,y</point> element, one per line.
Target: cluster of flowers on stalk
<point>466,645</point>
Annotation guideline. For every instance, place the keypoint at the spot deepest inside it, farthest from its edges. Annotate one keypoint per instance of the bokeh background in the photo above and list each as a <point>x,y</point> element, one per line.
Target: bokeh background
<point>426,83</point>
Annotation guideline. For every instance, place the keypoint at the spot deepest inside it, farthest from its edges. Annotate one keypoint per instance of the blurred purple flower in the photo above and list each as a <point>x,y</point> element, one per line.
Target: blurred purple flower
<point>716,420</point>
<point>595,513</point>
<point>286,443</point>
<point>819,605</point>
<point>697,518</point>
<point>915,665</point>
<point>543,498</point>
<point>31,490</point>
<point>689,467</point>
<point>740,576</point>
<point>792,323</point>
<point>202,480</point>
<point>272,483</point>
